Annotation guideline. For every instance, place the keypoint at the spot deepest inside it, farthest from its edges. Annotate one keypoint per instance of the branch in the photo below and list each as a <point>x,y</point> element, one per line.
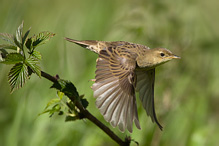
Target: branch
<point>89,116</point>
<point>49,77</point>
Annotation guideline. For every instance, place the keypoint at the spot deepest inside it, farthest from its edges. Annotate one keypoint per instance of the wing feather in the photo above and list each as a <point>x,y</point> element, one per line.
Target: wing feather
<point>114,89</point>
<point>145,87</point>
<point>116,110</point>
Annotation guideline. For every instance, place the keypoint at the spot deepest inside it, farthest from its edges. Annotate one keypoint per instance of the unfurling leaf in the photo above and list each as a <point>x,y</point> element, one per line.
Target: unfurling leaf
<point>17,76</point>
<point>33,64</point>
<point>19,33</point>
<point>41,38</point>
<point>14,41</point>
<point>13,58</point>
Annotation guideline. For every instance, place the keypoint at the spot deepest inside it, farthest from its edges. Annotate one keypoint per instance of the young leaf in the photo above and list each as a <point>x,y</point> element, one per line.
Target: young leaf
<point>37,55</point>
<point>29,44</point>
<point>41,38</point>
<point>25,36</point>
<point>13,58</point>
<point>55,108</point>
<point>52,101</point>
<point>17,43</point>
<point>45,111</point>
<point>60,95</point>
<point>19,33</point>
<point>17,76</point>
<point>33,64</point>
<point>8,37</point>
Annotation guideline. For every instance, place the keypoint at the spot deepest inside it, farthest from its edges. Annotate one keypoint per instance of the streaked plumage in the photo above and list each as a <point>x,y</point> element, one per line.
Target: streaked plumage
<point>122,69</point>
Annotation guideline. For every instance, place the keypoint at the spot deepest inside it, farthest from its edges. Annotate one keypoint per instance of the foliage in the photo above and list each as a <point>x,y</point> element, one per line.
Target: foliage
<point>68,108</point>
<point>26,60</point>
<point>27,63</point>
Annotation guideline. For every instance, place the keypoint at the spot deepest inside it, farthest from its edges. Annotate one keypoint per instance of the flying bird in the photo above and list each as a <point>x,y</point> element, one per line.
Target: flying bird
<point>122,69</point>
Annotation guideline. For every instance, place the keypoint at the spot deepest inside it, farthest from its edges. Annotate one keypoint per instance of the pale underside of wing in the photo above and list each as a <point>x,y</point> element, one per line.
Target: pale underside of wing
<point>145,87</point>
<point>114,91</point>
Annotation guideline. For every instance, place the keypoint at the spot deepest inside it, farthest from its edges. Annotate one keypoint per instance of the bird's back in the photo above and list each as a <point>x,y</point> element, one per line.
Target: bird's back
<point>97,46</point>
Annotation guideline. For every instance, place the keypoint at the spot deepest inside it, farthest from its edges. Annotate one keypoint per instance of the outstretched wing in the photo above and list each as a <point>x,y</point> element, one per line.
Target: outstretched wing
<point>114,88</point>
<point>145,87</point>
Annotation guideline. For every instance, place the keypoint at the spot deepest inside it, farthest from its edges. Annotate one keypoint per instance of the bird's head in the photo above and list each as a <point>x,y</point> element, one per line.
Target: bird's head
<point>154,57</point>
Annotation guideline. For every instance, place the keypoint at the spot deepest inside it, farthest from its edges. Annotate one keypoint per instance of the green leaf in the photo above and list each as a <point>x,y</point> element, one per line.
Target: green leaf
<point>60,113</point>
<point>8,46</point>
<point>55,108</point>
<point>41,38</point>
<point>3,54</point>
<point>19,33</point>
<point>45,111</point>
<point>29,44</point>
<point>36,55</point>
<point>66,87</point>
<point>25,36</point>
<point>13,58</point>
<point>30,71</point>
<point>71,105</point>
<point>60,95</point>
<point>71,118</point>
<point>8,37</point>
<point>17,76</point>
<point>84,102</point>
<point>33,64</point>
<point>52,101</point>
<point>17,43</point>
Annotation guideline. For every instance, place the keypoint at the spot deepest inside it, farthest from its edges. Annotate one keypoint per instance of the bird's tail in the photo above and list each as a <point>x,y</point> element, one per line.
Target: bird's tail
<point>89,44</point>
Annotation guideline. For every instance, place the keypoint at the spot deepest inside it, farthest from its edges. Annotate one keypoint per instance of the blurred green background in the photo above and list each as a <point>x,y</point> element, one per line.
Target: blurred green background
<point>186,90</point>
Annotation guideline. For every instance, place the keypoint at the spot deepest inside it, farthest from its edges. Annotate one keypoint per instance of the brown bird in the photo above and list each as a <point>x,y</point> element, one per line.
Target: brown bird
<point>122,69</point>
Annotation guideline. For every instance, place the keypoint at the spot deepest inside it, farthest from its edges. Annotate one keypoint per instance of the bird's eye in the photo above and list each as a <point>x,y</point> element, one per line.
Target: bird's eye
<point>162,54</point>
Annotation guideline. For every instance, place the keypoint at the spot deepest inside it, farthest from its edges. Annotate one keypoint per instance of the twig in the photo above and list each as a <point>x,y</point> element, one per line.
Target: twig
<point>89,116</point>
<point>49,77</point>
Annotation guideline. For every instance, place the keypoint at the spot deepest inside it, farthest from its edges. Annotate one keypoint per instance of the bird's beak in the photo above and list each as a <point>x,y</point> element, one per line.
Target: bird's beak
<point>175,57</point>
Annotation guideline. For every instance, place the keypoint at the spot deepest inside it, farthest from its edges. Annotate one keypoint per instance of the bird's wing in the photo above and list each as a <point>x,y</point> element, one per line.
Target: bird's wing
<point>145,87</point>
<point>114,88</point>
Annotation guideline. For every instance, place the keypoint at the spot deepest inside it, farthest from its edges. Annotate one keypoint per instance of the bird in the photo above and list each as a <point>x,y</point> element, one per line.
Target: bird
<point>122,69</point>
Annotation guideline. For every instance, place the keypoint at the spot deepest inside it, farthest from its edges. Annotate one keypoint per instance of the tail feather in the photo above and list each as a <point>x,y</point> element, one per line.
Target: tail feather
<point>89,44</point>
